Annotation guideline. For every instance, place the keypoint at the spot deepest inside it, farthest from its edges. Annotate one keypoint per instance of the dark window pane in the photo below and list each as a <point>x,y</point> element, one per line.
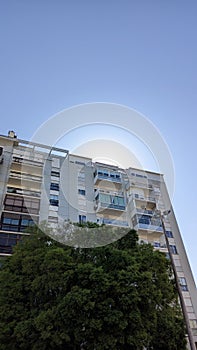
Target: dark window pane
<point>169,234</point>
<point>54,186</point>
<point>54,202</point>
<point>55,173</point>
<point>173,249</point>
<point>82,192</point>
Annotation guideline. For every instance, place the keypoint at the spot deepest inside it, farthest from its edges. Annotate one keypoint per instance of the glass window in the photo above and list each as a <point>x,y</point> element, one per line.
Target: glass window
<point>54,202</point>
<point>169,234</point>
<point>114,200</point>
<point>82,218</point>
<point>121,201</point>
<point>7,220</point>
<point>54,186</point>
<point>55,173</point>
<point>27,222</point>
<point>18,202</point>
<point>53,196</point>
<point>105,198</point>
<point>82,192</point>
<point>173,249</point>
<point>183,284</point>
<point>9,201</point>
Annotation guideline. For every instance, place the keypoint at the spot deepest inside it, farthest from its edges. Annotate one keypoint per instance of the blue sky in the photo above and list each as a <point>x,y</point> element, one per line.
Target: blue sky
<point>142,54</point>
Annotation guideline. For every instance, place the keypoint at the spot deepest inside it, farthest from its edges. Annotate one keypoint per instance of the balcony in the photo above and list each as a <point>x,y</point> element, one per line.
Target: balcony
<point>97,191</point>
<point>144,202</point>
<point>23,192</point>
<point>27,161</point>
<point>108,206</point>
<point>144,211</point>
<point>146,222</point>
<point>115,222</point>
<point>110,176</point>
<point>148,227</point>
<point>135,184</point>
<point>105,201</point>
<point>142,198</point>
<point>23,176</point>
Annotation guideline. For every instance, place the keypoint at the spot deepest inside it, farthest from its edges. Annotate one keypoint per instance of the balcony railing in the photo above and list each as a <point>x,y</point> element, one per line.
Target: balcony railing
<point>115,222</point>
<point>113,193</point>
<point>28,161</point>
<point>147,199</point>
<point>18,175</point>
<point>144,211</point>
<point>108,177</point>
<point>23,192</point>
<point>148,227</point>
<point>101,205</point>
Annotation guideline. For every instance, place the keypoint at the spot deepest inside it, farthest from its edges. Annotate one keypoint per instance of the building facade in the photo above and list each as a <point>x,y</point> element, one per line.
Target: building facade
<point>43,184</point>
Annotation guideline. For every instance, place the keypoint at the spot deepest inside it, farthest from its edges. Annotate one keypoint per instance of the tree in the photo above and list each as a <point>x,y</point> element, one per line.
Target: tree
<point>119,297</point>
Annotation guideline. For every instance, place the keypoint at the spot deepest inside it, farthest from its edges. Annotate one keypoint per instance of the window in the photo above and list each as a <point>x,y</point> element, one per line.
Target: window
<point>26,222</point>
<point>82,219</point>
<point>54,200</point>
<point>54,186</point>
<point>168,256</point>
<point>21,204</point>
<point>156,244</point>
<point>144,219</point>
<point>7,241</point>
<point>121,201</point>
<point>105,198</point>
<point>173,249</point>
<point>169,234</point>
<point>16,222</point>
<point>53,196</point>
<point>10,227</point>
<point>183,284</point>
<point>110,199</point>
<point>55,173</point>
<point>82,192</point>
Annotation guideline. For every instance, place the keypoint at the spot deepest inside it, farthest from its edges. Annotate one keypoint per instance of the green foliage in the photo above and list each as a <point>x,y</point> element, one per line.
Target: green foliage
<point>117,297</point>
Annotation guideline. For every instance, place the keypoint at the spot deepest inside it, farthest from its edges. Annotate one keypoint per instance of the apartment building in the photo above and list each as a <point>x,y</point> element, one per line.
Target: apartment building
<point>43,184</point>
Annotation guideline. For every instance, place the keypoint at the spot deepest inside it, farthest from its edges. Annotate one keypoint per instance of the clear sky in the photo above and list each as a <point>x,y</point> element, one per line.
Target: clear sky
<point>142,54</point>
